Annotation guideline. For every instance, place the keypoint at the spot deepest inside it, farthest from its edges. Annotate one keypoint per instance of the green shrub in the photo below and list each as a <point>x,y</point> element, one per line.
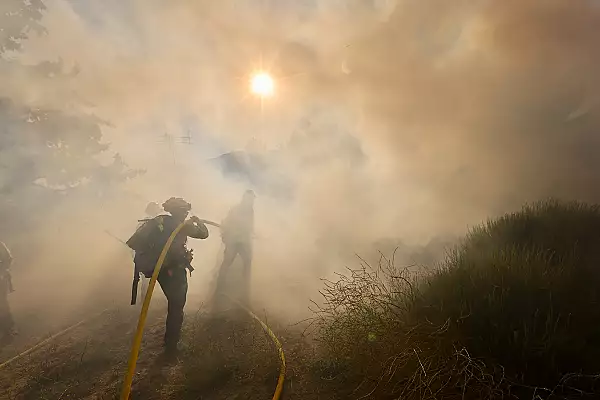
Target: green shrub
<point>513,311</point>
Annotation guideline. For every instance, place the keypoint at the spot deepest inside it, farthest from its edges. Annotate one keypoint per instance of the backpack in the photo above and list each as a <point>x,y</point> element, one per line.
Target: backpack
<point>148,242</point>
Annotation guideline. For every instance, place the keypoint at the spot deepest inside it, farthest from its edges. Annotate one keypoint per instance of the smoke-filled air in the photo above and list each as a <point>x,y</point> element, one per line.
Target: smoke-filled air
<point>373,135</point>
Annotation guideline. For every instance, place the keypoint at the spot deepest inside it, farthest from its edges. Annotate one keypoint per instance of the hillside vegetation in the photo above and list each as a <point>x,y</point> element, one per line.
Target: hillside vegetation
<point>511,313</point>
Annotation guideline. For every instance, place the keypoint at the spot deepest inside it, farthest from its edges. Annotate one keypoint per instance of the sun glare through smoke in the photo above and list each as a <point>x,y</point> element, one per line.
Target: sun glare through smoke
<point>262,84</point>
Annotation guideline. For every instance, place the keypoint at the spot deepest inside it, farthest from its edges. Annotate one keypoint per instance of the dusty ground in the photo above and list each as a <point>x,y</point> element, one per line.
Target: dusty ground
<point>225,357</point>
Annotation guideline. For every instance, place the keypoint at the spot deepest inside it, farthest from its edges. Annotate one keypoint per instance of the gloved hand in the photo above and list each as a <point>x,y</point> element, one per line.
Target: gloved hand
<point>193,220</point>
<point>197,220</point>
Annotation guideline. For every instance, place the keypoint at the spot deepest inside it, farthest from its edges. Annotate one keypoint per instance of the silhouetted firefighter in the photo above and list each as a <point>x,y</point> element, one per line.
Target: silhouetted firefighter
<point>7,324</point>
<point>237,230</point>
<point>148,242</point>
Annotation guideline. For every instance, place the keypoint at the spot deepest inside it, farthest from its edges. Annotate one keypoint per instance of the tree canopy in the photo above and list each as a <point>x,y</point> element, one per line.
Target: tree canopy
<point>45,152</point>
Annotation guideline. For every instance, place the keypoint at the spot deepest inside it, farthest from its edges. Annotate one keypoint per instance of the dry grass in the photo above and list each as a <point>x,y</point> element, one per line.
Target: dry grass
<point>511,313</point>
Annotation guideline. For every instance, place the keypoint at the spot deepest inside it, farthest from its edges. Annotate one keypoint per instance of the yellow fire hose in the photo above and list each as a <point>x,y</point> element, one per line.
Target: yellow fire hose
<point>279,388</point>
<point>135,348</point>
<point>51,338</point>
<point>137,341</point>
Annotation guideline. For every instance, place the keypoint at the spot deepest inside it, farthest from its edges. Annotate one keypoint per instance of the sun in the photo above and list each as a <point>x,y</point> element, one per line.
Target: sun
<point>262,84</point>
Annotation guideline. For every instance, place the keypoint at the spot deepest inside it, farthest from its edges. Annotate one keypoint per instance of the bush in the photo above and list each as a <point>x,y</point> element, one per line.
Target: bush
<point>513,311</point>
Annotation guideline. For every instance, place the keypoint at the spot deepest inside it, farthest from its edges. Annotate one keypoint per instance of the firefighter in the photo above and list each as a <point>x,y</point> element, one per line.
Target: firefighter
<point>7,324</point>
<point>148,242</point>
<point>237,230</point>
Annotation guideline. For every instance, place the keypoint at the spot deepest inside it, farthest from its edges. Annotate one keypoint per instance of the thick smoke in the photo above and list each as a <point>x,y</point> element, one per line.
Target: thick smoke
<point>485,105</point>
<point>402,121</point>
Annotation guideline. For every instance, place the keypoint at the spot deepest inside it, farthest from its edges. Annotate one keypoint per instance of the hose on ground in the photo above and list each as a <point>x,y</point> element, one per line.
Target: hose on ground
<point>49,339</point>
<point>137,340</point>
<point>135,348</point>
<point>276,342</point>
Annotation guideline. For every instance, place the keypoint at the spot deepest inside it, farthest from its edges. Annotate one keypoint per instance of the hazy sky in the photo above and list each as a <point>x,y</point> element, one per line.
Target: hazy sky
<point>462,110</point>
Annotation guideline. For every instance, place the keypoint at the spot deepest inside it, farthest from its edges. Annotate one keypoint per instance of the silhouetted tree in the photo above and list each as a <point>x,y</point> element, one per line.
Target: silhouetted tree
<point>45,153</point>
<point>18,18</point>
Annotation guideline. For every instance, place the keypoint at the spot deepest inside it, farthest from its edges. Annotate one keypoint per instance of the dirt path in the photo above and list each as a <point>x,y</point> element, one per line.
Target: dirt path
<point>228,357</point>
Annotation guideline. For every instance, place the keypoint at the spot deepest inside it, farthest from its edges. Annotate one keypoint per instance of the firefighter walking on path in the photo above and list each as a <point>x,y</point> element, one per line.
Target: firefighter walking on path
<point>148,242</point>
<point>7,324</point>
<point>237,230</point>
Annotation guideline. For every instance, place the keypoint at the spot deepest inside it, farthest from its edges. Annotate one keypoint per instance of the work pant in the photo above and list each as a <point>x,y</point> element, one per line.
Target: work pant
<point>6,320</point>
<point>173,282</point>
<point>231,251</point>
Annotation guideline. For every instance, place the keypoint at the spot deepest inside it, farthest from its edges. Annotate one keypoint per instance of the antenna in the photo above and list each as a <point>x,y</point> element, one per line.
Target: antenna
<point>169,139</point>
<point>187,139</point>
